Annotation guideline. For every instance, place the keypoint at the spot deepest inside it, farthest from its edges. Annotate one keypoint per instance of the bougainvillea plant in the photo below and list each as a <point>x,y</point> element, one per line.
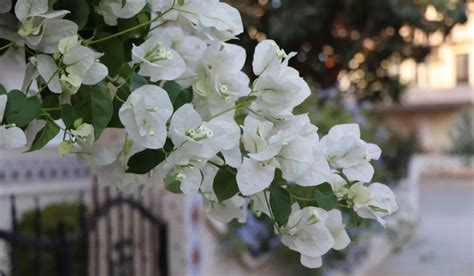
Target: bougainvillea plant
<point>163,71</point>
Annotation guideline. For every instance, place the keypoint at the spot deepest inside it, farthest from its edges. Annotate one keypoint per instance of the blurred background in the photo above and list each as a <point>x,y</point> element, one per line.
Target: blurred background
<point>402,69</point>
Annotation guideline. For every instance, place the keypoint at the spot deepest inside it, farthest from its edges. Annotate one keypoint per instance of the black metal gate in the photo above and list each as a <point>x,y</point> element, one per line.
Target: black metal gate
<point>117,232</point>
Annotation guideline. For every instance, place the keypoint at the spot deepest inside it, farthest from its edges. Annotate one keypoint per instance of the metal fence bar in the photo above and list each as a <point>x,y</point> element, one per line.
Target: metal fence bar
<point>14,230</point>
<point>95,233</point>
<point>37,226</point>
<point>63,252</point>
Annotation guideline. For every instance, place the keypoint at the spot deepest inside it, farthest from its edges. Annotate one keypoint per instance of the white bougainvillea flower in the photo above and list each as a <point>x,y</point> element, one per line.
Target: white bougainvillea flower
<point>219,21</point>
<point>373,202</point>
<point>337,229</point>
<point>298,158</point>
<point>197,138</point>
<point>219,80</point>
<point>212,20</point>
<point>306,232</point>
<point>279,90</point>
<point>42,29</point>
<point>189,47</point>
<point>111,10</point>
<point>145,114</point>
<point>157,60</point>
<point>48,70</point>
<point>338,185</point>
<point>84,134</point>
<point>267,54</point>
<point>345,150</point>
<point>81,67</point>
<point>312,232</point>
<point>83,62</point>
<point>97,155</point>
<point>257,171</point>
<point>10,136</point>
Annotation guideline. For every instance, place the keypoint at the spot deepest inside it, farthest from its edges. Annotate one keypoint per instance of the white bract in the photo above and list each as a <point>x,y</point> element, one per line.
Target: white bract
<point>312,232</point>
<point>78,65</point>
<point>157,60</point>
<point>373,202</point>
<point>345,151</point>
<point>220,81</point>
<point>41,27</point>
<point>114,9</point>
<point>191,135</point>
<point>290,145</point>
<point>145,114</point>
<point>10,136</point>
<point>209,19</point>
<point>279,88</point>
<point>189,47</point>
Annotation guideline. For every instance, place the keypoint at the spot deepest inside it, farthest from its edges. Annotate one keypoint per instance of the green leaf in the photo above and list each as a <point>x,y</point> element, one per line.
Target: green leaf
<point>49,131</point>
<point>137,81</point>
<point>79,11</point>
<point>144,161</point>
<point>51,101</point>
<point>3,91</point>
<point>177,94</point>
<point>21,110</point>
<point>280,202</point>
<point>114,53</point>
<point>172,185</point>
<point>325,196</point>
<point>94,103</point>
<point>67,115</point>
<point>225,184</point>
<point>124,24</point>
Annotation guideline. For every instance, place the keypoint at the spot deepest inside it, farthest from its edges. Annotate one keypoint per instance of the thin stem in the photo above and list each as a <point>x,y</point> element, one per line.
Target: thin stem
<point>222,167</point>
<point>271,212</point>
<point>6,46</point>
<point>90,42</point>
<point>230,109</point>
<point>50,79</point>
<point>345,178</point>
<point>134,67</point>
<point>52,120</point>
<point>302,198</point>
<point>51,109</point>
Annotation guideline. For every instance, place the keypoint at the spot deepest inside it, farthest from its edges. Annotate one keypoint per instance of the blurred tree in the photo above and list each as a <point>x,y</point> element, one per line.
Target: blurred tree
<point>353,41</point>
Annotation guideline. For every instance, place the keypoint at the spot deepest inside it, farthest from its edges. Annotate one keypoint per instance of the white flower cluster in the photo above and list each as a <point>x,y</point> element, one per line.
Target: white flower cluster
<point>202,138</point>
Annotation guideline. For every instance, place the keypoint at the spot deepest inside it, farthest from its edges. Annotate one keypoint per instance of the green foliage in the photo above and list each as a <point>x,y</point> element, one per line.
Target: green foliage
<point>172,184</point>
<point>51,215</point>
<point>225,184</point>
<point>177,94</point>
<point>94,104</point>
<point>46,134</point>
<point>144,161</point>
<point>20,109</point>
<point>114,53</point>
<point>280,203</point>
<point>79,11</point>
<point>325,196</point>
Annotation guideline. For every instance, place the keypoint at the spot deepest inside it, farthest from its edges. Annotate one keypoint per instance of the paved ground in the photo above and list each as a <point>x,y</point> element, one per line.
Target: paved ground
<point>443,244</point>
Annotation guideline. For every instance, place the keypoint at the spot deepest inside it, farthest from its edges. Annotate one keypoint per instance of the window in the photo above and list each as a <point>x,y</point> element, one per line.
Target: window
<point>462,68</point>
